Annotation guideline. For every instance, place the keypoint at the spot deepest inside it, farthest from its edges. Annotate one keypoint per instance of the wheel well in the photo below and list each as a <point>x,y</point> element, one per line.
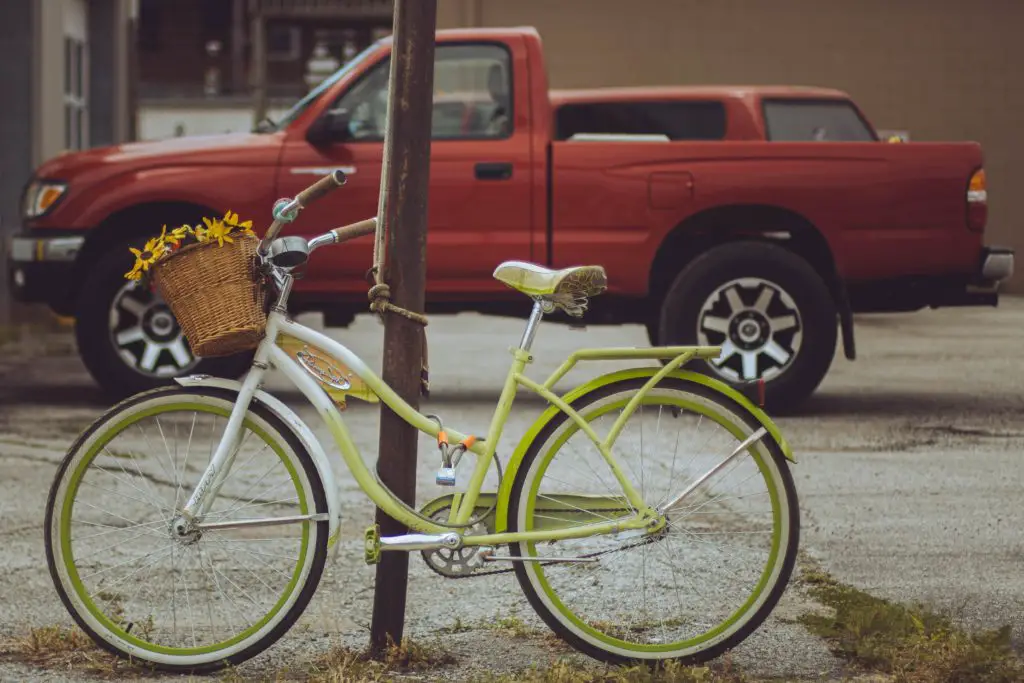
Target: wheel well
<point>779,226</point>
<point>719,226</point>
<point>139,221</point>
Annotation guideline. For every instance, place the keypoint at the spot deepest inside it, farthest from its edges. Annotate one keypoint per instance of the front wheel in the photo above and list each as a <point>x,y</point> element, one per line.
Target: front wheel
<point>701,584</point>
<point>128,338</point>
<point>146,583</point>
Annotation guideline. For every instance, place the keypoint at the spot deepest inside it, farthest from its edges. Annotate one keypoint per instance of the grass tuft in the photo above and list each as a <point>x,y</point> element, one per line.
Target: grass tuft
<point>912,644</point>
<point>343,665</point>
<point>670,672</point>
<point>515,627</point>
<point>65,649</point>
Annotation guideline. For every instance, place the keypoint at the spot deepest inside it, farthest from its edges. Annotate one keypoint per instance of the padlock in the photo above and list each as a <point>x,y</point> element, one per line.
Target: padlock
<point>445,476</point>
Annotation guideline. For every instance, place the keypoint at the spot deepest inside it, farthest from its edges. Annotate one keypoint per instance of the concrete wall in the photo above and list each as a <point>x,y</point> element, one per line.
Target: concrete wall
<point>940,69</point>
<point>108,70</point>
<point>32,72</point>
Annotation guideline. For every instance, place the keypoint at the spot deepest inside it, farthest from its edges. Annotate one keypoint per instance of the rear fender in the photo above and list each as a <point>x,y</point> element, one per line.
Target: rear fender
<point>301,431</point>
<point>505,490</point>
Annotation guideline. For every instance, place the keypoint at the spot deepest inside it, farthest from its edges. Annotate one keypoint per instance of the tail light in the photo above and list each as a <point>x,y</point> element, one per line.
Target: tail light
<point>977,202</point>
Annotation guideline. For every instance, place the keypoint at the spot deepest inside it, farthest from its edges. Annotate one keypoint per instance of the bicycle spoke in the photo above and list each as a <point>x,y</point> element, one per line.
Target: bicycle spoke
<point>187,590</point>
<point>655,591</point>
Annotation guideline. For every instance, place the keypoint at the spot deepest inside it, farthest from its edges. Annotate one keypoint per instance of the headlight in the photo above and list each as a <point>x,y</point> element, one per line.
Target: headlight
<point>41,196</point>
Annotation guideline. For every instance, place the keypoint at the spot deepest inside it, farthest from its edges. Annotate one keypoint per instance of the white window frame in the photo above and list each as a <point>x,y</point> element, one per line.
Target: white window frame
<point>76,76</point>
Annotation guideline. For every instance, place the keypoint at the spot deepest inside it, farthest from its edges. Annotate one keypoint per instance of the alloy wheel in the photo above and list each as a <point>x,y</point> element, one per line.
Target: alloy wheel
<point>758,326</point>
<point>146,334</point>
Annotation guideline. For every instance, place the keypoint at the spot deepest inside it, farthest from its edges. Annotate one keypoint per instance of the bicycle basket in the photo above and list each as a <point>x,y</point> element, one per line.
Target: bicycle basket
<point>216,294</point>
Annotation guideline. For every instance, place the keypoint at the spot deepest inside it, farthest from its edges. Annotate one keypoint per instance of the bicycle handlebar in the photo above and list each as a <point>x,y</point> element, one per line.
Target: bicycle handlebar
<point>320,188</point>
<point>347,232</point>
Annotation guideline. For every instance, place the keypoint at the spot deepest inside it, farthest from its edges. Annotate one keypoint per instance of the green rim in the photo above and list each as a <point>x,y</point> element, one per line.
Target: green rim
<point>735,616</point>
<point>65,533</point>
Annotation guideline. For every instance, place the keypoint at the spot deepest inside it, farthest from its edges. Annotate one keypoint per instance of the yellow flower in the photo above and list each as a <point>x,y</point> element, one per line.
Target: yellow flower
<point>135,273</point>
<point>145,257</point>
<point>203,234</point>
<point>174,237</point>
<point>231,218</point>
<point>216,230</point>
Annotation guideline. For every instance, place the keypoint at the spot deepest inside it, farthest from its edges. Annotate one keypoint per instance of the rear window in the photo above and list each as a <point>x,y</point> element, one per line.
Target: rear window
<point>814,121</point>
<point>675,120</point>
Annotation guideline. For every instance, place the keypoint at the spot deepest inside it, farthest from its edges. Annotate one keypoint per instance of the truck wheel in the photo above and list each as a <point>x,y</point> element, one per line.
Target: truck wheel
<point>767,308</point>
<point>128,338</point>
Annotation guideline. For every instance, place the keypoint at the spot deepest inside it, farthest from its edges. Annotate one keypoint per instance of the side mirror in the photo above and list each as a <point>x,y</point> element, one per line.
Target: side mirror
<point>329,128</point>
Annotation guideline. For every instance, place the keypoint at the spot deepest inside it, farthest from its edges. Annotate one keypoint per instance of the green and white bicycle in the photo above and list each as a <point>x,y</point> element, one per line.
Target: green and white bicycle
<point>648,514</point>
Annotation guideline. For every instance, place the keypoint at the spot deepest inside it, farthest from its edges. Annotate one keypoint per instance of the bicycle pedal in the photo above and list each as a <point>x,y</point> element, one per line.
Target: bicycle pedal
<point>445,476</point>
<point>371,545</point>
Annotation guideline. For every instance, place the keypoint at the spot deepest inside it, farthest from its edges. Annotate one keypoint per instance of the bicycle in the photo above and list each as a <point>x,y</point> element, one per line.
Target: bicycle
<point>247,536</point>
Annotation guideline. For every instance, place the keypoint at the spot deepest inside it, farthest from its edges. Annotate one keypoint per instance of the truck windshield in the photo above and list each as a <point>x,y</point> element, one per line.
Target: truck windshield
<point>315,93</point>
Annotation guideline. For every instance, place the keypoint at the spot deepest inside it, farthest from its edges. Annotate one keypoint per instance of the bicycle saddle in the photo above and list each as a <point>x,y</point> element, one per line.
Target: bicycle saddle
<point>567,288</point>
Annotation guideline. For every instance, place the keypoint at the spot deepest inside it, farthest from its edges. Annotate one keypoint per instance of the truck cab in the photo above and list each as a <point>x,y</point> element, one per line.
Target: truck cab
<point>755,218</point>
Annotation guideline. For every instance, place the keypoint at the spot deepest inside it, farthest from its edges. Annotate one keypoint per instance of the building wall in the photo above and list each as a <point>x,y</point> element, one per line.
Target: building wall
<point>161,120</point>
<point>940,69</point>
<point>173,60</point>
<point>15,162</point>
<point>108,71</point>
<point>33,76</point>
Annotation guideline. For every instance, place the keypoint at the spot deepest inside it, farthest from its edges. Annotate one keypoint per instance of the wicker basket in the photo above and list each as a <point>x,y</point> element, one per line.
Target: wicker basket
<point>215,294</point>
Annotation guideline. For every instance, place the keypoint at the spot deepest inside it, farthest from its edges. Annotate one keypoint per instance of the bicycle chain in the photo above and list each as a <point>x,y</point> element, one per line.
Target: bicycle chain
<point>635,544</point>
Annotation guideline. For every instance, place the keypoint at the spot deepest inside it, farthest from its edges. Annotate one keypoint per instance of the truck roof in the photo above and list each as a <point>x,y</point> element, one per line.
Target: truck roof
<point>694,92</point>
<point>612,94</point>
<point>478,33</point>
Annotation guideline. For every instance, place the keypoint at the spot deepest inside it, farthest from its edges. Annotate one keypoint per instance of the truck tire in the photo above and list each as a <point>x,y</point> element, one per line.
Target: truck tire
<point>128,338</point>
<point>767,308</point>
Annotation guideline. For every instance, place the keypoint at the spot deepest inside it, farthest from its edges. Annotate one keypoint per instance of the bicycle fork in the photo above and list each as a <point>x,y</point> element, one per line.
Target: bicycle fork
<point>191,515</point>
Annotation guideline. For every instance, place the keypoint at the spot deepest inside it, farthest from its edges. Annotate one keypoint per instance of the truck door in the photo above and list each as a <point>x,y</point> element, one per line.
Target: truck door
<point>479,203</point>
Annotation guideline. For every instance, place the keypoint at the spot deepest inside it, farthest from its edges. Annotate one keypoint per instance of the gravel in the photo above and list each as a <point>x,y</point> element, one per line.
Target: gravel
<point>908,479</point>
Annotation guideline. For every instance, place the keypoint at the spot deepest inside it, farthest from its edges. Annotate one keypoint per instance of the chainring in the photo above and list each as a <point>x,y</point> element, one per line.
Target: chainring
<point>455,563</point>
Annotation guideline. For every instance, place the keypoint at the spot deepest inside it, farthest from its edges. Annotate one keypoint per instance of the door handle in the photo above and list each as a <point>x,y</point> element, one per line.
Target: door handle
<point>498,170</point>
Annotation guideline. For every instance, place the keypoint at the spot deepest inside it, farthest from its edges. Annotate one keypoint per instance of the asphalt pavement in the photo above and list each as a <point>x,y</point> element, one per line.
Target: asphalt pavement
<point>908,475</point>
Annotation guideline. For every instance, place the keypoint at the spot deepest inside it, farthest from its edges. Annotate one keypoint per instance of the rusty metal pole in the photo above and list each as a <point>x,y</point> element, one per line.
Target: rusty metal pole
<point>404,186</point>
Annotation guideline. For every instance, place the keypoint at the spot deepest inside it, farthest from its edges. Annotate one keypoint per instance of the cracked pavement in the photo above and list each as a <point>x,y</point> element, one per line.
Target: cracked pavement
<point>908,475</point>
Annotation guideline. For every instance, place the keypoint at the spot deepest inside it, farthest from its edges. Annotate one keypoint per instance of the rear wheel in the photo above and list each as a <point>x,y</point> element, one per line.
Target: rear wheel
<point>767,308</point>
<point>128,337</point>
<point>704,582</point>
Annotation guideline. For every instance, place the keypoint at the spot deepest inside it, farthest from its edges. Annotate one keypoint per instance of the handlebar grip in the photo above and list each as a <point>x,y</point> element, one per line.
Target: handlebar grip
<point>347,232</point>
<point>325,185</point>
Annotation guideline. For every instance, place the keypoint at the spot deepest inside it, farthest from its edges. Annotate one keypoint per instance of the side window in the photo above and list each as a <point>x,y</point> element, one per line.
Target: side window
<point>814,121</point>
<point>472,96</point>
<point>675,120</point>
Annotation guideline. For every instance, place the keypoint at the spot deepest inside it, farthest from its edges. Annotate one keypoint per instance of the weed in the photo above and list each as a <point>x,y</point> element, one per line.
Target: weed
<point>514,626</point>
<point>56,647</point>
<point>345,665</point>
<point>670,672</point>
<point>912,644</point>
<point>459,626</point>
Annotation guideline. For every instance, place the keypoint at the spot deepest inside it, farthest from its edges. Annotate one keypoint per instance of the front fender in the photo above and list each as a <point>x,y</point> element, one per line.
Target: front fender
<point>302,432</point>
<point>505,489</point>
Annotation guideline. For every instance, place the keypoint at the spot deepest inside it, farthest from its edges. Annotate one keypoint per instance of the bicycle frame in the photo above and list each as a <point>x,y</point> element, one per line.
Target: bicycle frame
<point>269,354</point>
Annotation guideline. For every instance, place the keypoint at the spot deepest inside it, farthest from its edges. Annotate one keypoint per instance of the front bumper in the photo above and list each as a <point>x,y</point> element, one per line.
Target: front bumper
<point>41,268</point>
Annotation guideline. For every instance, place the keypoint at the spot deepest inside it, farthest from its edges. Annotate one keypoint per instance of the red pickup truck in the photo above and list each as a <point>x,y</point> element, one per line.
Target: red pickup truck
<point>756,218</point>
